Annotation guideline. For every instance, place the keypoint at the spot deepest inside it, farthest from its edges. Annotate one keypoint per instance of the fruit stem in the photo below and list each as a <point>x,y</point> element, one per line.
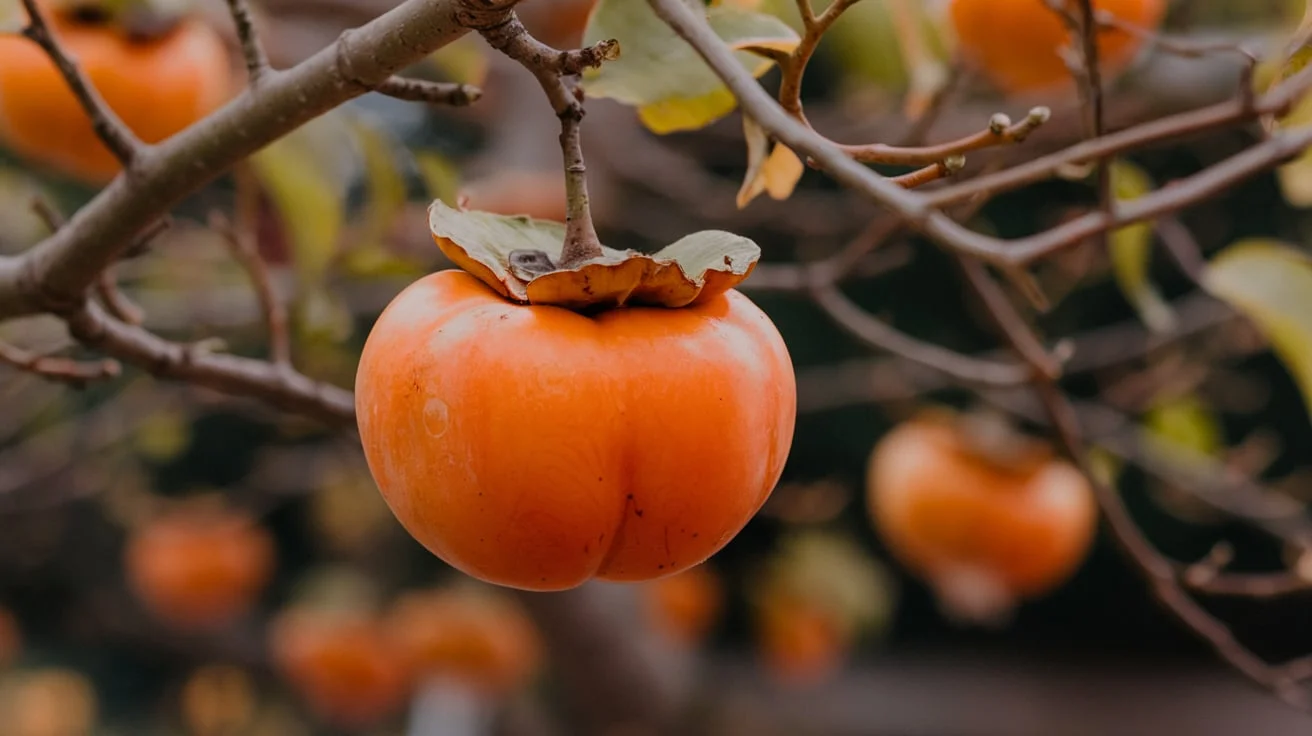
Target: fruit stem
<point>581,241</point>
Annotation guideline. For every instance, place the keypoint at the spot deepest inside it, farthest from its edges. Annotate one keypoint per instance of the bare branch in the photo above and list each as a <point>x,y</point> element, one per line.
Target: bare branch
<point>197,365</point>
<point>1001,130</point>
<point>116,301</point>
<point>239,239</point>
<point>257,61</point>
<point>116,135</point>
<point>63,370</point>
<point>883,337</point>
<point>433,93</point>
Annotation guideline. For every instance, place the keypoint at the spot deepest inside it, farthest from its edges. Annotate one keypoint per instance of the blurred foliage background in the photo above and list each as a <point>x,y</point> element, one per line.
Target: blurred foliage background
<point>340,221</point>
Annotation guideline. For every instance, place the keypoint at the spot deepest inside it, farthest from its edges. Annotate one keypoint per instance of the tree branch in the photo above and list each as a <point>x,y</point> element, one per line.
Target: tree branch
<point>257,61</point>
<point>433,93</point>
<point>230,374</point>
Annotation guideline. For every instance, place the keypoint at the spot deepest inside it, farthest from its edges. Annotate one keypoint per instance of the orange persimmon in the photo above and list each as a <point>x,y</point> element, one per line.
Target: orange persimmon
<point>685,606</point>
<point>342,663</point>
<point>157,86</point>
<point>1016,44</point>
<point>199,567</point>
<point>481,640</point>
<point>955,512</point>
<point>800,642</point>
<point>537,447</point>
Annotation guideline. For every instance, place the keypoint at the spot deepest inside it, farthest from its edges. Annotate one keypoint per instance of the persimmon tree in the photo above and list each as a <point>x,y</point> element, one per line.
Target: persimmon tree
<point>680,66</point>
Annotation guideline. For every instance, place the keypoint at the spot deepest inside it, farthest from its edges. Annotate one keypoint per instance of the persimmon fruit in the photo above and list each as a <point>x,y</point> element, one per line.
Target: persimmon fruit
<point>536,447</point>
<point>157,86</point>
<point>957,513</point>
<point>479,640</point>
<point>685,606</point>
<point>800,642</point>
<point>199,568</point>
<point>342,664</point>
<point>1017,44</point>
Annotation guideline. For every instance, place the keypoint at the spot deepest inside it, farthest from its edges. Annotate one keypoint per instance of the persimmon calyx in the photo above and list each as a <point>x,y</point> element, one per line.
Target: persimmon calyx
<point>518,256</point>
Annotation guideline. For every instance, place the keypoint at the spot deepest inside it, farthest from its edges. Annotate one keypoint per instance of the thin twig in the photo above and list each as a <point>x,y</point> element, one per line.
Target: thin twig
<point>111,129</point>
<point>550,67</point>
<point>257,61</point>
<point>1001,130</point>
<point>881,336</point>
<point>433,93</point>
<point>240,238</point>
<point>75,373</point>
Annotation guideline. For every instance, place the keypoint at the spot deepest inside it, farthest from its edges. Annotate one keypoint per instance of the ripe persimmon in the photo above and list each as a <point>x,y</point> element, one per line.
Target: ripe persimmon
<point>199,567</point>
<point>973,522</point>
<point>800,642</point>
<point>1017,44</point>
<point>157,86</point>
<point>481,640</point>
<point>685,606</point>
<point>341,663</point>
<point>537,447</point>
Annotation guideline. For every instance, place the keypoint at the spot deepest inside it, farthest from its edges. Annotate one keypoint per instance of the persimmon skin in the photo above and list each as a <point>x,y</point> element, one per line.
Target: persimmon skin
<point>535,447</point>
<point>199,569</point>
<point>343,665</point>
<point>156,87</point>
<point>484,643</point>
<point>940,509</point>
<point>1016,43</point>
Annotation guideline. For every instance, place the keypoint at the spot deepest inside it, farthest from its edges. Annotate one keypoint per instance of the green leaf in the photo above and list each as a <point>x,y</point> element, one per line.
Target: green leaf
<point>1131,251</point>
<point>1271,283</point>
<point>662,76</point>
<point>306,175</point>
<point>693,269</point>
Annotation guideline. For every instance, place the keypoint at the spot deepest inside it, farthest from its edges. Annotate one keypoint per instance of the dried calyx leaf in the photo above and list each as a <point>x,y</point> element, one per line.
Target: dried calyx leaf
<point>518,257</point>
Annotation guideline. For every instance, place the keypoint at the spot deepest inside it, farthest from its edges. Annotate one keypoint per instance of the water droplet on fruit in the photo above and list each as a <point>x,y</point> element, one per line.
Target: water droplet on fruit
<point>436,417</point>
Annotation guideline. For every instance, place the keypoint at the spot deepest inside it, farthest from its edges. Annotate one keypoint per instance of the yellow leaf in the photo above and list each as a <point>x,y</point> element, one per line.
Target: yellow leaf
<point>664,77</point>
<point>775,173</point>
<point>464,61</point>
<point>385,186</point>
<point>441,176</point>
<point>1131,251</point>
<point>1271,283</point>
<point>306,175</point>
<point>1185,421</point>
